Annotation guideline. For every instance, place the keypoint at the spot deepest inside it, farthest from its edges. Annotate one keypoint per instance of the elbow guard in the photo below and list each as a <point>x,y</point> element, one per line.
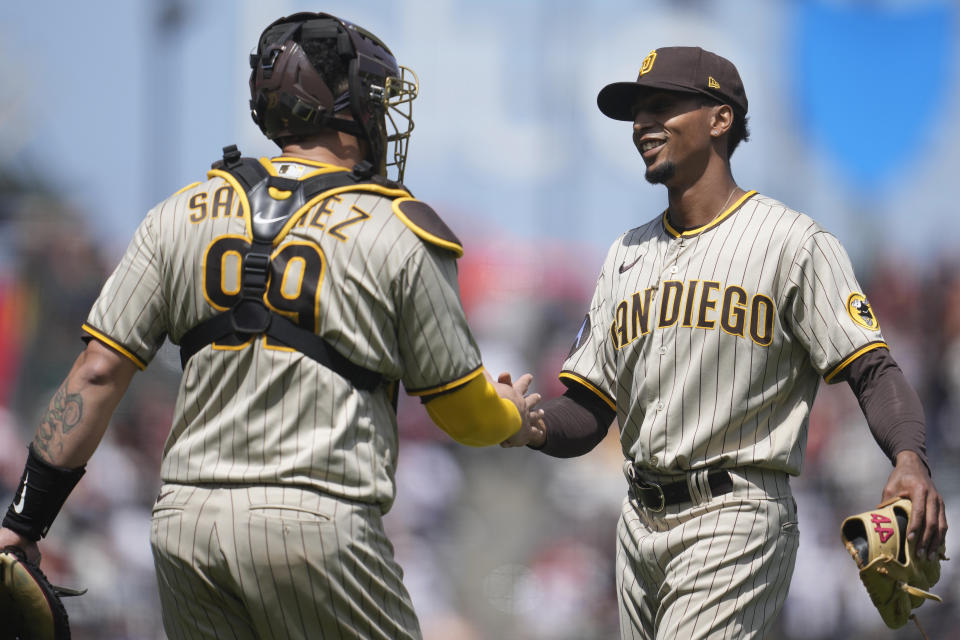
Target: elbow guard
<point>473,414</point>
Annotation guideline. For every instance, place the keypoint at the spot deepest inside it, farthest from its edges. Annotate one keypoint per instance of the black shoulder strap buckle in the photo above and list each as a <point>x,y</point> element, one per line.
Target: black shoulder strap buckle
<point>247,171</point>
<point>364,170</point>
<point>250,315</point>
<point>231,156</point>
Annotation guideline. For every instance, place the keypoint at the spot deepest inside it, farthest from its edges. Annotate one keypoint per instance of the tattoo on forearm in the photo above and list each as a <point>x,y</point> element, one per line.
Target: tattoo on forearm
<point>62,415</point>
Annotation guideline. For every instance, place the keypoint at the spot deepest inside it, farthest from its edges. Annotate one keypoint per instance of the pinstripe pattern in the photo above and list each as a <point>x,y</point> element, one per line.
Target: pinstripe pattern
<point>275,563</point>
<point>691,395</point>
<point>242,562</point>
<point>257,414</point>
<point>719,568</point>
<point>711,344</point>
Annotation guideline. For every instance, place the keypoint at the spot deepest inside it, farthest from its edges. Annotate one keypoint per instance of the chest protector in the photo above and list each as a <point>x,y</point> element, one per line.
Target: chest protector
<point>250,316</point>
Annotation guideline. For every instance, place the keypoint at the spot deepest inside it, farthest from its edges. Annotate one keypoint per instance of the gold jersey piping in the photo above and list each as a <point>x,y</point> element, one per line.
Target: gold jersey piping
<point>720,218</point>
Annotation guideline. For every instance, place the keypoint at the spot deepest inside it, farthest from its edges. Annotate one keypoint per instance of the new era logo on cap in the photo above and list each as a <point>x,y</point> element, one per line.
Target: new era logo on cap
<point>687,69</point>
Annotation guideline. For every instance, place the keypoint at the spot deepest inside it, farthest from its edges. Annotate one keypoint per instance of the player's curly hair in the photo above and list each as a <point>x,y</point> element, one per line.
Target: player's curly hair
<point>739,131</point>
<point>322,54</point>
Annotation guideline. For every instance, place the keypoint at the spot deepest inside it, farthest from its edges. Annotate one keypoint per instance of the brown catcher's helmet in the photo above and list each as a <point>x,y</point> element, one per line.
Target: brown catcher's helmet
<point>290,98</point>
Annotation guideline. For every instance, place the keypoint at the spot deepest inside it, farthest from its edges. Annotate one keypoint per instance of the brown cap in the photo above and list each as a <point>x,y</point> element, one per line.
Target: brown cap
<point>689,69</point>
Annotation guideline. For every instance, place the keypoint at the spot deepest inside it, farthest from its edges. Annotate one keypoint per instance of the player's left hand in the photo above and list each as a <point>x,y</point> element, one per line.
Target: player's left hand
<point>928,522</point>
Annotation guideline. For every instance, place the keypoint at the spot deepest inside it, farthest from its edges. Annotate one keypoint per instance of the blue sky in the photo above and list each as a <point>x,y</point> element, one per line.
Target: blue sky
<point>508,139</point>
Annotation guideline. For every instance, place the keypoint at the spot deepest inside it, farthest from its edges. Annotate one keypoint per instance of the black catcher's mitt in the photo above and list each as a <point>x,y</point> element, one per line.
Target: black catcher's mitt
<point>30,607</point>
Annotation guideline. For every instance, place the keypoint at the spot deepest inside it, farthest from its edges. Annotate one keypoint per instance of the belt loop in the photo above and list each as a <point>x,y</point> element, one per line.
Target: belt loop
<point>695,487</point>
<point>707,489</point>
<point>630,473</point>
<point>699,482</point>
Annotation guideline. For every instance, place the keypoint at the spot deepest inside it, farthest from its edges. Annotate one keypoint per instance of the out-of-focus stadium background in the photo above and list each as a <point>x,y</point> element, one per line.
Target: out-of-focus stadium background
<point>107,107</point>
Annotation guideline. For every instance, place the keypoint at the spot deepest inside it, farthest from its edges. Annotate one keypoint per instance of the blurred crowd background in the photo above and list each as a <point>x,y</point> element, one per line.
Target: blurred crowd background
<point>106,107</point>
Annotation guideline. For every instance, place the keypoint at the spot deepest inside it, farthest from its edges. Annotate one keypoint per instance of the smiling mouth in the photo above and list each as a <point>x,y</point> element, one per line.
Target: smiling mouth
<point>650,144</point>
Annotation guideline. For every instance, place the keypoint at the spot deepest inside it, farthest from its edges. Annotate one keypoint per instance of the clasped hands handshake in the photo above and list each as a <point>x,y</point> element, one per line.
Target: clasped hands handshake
<point>533,430</point>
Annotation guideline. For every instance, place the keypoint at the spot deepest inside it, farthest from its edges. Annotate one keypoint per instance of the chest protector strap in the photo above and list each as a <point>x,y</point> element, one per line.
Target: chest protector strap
<point>249,316</point>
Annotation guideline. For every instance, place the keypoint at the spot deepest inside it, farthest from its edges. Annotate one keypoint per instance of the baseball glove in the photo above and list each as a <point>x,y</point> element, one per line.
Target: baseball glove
<point>30,606</point>
<point>896,579</point>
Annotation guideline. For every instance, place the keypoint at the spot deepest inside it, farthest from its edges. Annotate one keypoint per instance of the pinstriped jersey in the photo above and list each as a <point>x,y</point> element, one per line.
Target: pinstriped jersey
<point>710,343</point>
<point>349,266</point>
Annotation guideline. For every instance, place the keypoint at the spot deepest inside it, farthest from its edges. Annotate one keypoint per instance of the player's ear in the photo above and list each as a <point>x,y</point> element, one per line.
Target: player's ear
<point>721,119</point>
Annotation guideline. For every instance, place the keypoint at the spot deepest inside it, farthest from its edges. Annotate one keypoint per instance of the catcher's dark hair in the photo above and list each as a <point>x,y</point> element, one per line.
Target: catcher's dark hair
<point>323,55</point>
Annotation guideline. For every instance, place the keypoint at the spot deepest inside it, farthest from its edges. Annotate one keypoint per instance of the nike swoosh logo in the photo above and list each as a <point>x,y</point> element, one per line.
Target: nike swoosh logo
<point>624,267</point>
<point>18,508</point>
<point>258,218</point>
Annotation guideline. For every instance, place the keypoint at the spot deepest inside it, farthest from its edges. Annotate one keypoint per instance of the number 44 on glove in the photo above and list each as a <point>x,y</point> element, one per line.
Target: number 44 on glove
<point>895,578</point>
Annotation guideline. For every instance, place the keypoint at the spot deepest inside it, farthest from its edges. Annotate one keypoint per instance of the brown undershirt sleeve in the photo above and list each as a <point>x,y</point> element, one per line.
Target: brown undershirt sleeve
<point>576,423</point>
<point>890,405</point>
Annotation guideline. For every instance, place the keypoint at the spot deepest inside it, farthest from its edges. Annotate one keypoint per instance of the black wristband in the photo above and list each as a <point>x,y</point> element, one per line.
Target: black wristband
<point>42,491</point>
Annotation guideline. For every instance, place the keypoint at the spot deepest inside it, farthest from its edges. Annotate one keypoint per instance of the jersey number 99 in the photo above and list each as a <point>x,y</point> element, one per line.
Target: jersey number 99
<point>293,288</point>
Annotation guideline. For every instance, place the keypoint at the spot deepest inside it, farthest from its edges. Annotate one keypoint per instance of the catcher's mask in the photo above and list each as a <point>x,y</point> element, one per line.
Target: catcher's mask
<point>290,98</point>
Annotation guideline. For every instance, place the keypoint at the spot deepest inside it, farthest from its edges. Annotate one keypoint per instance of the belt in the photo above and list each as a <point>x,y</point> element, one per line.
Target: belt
<point>656,497</point>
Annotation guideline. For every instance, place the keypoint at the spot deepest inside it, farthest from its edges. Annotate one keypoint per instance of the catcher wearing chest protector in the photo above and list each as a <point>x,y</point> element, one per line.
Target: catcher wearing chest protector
<point>303,290</point>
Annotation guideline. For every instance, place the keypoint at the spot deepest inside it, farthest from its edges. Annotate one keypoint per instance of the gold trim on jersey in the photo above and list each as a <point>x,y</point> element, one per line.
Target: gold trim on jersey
<point>116,346</point>
<point>326,166</point>
<point>449,385</point>
<point>423,233</point>
<point>241,194</point>
<point>231,347</point>
<point>277,346</point>
<point>295,218</point>
<point>189,186</point>
<point>321,167</point>
<point>856,354</point>
<point>589,385</point>
<point>369,188</point>
<point>720,218</point>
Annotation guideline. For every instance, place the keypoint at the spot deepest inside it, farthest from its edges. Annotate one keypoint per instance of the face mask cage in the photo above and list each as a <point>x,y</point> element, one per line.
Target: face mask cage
<point>397,99</point>
<point>380,95</point>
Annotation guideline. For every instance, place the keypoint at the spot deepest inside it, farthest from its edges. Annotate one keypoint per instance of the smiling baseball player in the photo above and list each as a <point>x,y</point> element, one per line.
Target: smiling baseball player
<point>709,331</point>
